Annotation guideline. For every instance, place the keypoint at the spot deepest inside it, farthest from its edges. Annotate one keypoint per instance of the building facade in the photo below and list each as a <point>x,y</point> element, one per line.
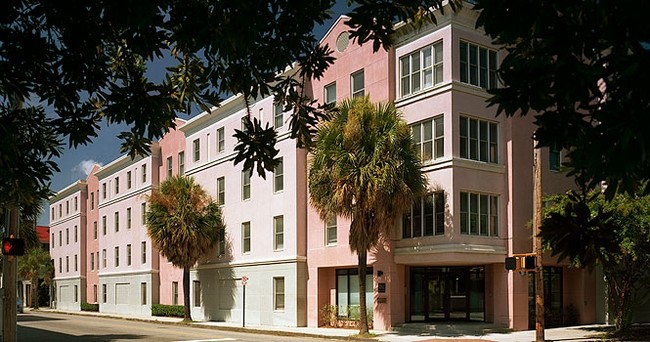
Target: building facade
<point>444,259</point>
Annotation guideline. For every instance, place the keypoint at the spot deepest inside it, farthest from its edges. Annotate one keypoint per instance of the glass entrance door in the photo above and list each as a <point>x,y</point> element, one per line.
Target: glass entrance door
<point>446,293</point>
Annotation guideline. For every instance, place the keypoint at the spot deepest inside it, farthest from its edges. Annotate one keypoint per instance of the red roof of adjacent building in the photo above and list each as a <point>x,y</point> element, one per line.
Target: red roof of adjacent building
<point>43,233</point>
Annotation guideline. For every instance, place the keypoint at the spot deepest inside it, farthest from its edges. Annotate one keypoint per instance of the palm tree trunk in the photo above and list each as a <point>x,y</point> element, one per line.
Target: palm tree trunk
<point>36,295</point>
<point>363,317</point>
<point>186,294</point>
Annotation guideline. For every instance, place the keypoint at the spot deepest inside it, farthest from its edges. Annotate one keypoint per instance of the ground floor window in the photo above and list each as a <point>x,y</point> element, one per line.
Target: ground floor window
<point>552,297</point>
<point>278,292</point>
<point>197,293</point>
<point>447,293</point>
<point>347,292</point>
<point>143,293</point>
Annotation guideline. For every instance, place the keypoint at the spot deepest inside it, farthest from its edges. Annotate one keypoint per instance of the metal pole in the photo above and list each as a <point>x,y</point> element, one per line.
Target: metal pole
<point>9,281</point>
<point>537,245</point>
<point>243,306</point>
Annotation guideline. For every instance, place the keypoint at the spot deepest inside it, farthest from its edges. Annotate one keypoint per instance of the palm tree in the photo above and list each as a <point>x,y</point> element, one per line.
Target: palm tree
<point>183,222</point>
<point>36,265</point>
<point>365,167</point>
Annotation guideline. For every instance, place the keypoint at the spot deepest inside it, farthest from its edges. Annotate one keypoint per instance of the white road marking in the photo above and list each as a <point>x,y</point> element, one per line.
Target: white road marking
<point>211,340</point>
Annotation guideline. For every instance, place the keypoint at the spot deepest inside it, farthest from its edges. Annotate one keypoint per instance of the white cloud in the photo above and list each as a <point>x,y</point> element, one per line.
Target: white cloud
<point>82,170</point>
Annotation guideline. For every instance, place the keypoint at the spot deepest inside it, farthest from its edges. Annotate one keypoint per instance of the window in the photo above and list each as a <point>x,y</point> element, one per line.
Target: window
<point>197,293</point>
<point>103,190</point>
<point>128,255</point>
<point>554,157</point>
<point>92,200</point>
<point>143,250</point>
<point>278,232</point>
<point>197,149</point>
<point>144,173</point>
<point>429,138</point>
<point>278,114</point>
<point>174,293</point>
<point>52,214</point>
<point>330,93</point>
<point>181,163</point>
<point>246,237</point>
<point>246,185</point>
<point>67,236</point>
<point>221,190</point>
<point>117,256</point>
<point>128,218</point>
<point>92,261</point>
<point>347,291</point>
<point>60,237</point>
<point>104,293</point>
<point>103,225</point>
<point>117,185</point>
<point>104,258</point>
<point>67,207</point>
<point>60,265</point>
<point>53,241</point>
<point>169,167</point>
<point>75,234</point>
<point>221,139</point>
<point>143,293</point>
<point>129,183</point>
<point>478,140</point>
<point>76,204</point>
<point>60,210</point>
<point>426,218</point>
<point>357,83</point>
<point>76,263</point>
<point>278,176</point>
<point>221,242</point>
<point>95,293</point>
<point>76,293</point>
<point>421,69</point>
<point>117,221</point>
<point>143,213</point>
<point>479,214</point>
<point>95,230</point>
<point>330,231</point>
<point>278,293</point>
<point>97,260</point>
<point>478,65</point>
<point>67,263</point>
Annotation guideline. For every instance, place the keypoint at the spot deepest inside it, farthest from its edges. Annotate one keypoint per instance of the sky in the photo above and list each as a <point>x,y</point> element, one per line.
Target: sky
<point>76,163</point>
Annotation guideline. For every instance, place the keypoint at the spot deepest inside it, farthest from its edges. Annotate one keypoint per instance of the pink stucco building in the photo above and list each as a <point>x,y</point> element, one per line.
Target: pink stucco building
<point>443,261</point>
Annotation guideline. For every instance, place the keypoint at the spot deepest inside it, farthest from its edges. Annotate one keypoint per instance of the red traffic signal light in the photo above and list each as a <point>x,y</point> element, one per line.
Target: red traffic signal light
<point>13,246</point>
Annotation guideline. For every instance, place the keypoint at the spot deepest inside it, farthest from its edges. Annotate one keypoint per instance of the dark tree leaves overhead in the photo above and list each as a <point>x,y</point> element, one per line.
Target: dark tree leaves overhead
<point>584,67</point>
<point>84,62</point>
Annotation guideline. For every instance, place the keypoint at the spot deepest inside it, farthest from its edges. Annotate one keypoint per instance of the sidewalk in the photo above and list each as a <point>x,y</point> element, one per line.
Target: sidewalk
<point>461,331</point>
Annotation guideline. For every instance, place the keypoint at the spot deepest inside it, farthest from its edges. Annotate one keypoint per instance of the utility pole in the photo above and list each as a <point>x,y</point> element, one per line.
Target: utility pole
<point>9,267</point>
<point>537,244</point>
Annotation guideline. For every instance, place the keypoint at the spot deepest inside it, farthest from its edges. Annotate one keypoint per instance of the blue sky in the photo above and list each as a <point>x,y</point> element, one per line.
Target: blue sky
<point>76,163</point>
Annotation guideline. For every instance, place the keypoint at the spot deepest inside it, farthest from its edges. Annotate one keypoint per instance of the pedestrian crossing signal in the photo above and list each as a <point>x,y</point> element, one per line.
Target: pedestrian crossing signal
<point>13,246</point>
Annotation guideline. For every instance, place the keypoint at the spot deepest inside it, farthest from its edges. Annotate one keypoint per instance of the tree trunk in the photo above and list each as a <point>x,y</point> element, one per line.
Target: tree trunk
<point>186,294</point>
<point>363,317</point>
<point>36,294</point>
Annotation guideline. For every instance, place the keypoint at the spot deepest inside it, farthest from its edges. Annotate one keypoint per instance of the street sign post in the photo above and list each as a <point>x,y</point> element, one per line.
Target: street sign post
<point>244,280</point>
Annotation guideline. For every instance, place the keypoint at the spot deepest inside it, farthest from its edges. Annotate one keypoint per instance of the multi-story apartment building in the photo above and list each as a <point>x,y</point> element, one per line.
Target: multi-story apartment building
<point>265,235</point>
<point>68,245</point>
<point>445,258</point>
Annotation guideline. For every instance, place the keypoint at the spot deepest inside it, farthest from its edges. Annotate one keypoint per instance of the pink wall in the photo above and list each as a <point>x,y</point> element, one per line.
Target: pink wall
<point>92,243</point>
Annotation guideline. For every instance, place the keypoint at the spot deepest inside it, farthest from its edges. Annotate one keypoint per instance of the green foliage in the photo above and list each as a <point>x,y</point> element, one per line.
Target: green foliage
<point>167,310</point>
<point>184,223</point>
<point>96,61</point>
<point>589,230</point>
<point>582,67</point>
<point>34,265</point>
<point>365,167</point>
<point>89,307</point>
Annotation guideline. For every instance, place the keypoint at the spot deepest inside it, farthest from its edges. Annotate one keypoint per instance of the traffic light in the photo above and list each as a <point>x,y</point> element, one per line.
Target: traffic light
<point>528,262</point>
<point>13,246</point>
<point>511,263</point>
